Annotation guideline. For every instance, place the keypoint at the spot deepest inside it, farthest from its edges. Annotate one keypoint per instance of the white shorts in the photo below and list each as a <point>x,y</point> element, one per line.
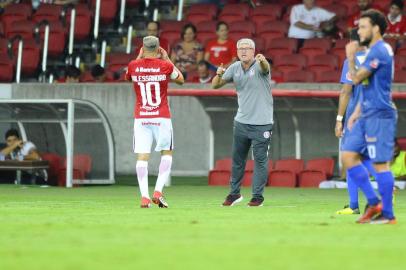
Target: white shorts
<point>148,129</point>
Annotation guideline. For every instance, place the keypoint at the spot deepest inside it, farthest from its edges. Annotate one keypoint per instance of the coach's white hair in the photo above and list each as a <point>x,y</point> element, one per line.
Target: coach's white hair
<point>247,41</point>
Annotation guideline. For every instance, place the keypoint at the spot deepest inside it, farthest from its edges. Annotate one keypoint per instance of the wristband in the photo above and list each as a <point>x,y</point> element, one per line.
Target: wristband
<point>339,118</point>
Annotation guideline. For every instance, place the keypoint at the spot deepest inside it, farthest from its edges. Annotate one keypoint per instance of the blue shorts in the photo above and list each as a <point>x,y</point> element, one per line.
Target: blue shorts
<point>347,142</point>
<point>374,134</point>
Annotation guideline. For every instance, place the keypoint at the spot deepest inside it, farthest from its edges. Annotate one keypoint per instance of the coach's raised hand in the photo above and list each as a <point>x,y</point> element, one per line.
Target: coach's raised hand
<point>263,63</point>
<point>220,70</point>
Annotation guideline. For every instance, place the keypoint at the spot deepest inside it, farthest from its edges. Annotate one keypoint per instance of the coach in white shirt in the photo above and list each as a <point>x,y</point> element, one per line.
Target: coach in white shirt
<point>306,19</point>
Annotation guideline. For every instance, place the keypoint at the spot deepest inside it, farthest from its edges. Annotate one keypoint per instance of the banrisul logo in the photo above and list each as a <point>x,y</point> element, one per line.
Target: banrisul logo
<point>137,70</point>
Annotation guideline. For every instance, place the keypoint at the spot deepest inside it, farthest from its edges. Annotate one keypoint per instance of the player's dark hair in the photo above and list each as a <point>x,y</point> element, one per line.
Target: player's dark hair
<point>354,34</point>
<point>97,71</point>
<point>398,3</point>
<point>158,25</point>
<point>186,27</point>
<point>12,132</point>
<point>73,72</point>
<point>220,23</point>
<point>376,18</point>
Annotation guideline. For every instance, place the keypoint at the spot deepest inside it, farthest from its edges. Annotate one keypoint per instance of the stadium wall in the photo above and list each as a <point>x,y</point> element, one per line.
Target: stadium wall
<point>195,117</point>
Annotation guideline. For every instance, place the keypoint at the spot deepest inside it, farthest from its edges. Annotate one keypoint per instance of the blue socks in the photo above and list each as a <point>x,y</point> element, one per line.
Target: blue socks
<point>370,167</point>
<point>352,192</point>
<point>385,183</point>
<point>359,175</point>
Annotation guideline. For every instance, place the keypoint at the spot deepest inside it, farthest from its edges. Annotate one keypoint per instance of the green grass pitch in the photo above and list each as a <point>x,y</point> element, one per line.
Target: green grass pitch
<point>104,228</point>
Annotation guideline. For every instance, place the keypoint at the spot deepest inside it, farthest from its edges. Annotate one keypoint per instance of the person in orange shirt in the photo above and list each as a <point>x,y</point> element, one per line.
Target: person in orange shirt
<point>221,50</point>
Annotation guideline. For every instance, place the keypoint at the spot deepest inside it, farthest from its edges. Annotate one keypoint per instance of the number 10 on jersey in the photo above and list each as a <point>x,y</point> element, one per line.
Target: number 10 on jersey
<point>147,95</point>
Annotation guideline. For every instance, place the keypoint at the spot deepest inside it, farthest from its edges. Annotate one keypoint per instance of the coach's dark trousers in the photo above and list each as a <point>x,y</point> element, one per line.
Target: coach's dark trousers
<point>245,136</point>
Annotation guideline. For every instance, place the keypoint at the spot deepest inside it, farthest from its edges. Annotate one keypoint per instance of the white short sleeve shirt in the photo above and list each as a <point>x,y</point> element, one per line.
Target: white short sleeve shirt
<point>315,16</point>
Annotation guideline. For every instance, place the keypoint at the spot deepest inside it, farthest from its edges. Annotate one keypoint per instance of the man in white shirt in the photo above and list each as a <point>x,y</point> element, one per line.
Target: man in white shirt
<point>17,149</point>
<point>306,20</point>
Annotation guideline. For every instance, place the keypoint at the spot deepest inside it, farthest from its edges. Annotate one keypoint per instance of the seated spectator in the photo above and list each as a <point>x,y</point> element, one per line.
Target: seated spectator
<point>188,52</point>
<point>398,164</point>
<point>98,73</point>
<point>17,149</point>
<point>396,22</point>
<point>221,50</point>
<point>153,29</point>
<point>353,20</point>
<point>204,73</point>
<point>307,20</point>
<point>72,74</point>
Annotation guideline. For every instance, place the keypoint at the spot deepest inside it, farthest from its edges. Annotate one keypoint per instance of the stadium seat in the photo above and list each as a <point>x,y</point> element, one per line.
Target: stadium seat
<point>206,9</point>
<point>323,3</point>
<point>236,9</point>
<point>315,46</point>
<point>285,173</point>
<point>197,18</point>
<point>239,35</point>
<point>205,37</point>
<point>172,26</point>
<point>352,5</point>
<point>118,61</point>
<point>220,175</point>
<point>342,25</point>
<point>281,46</point>
<point>206,27</point>
<point>13,13</point>
<point>400,76</point>
<point>230,18</point>
<point>393,43</point>
<point>340,53</point>
<point>259,44</point>
<point>339,9</point>
<point>23,28</point>
<point>400,62</point>
<point>273,11</point>
<point>401,50</point>
<point>171,37</point>
<point>248,173</point>
<point>331,76</point>
<point>132,3</point>
<point>31,56</point>
<point>3,45</point>
<point>108,10</point>
<point>383,4</point>
<point>55,163</point>
<point>299,76</point>
<point>340,44</point>
<point>6,68</point>
<point>269,37</point>
<point>279,27</point>
<point>82,167</point>
<point>83,21</point>
<point>323,62</point>
<point>316,171</point>
<point>57,38</point>
<point>48,12</point>
<point>86,77</point>
<point>290,62</point>
<point>402,143</point>
<point>246,27</point>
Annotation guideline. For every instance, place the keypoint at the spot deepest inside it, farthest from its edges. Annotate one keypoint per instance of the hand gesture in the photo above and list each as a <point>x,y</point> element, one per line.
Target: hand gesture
<point>260,58</point>
<point>220,70</point>
<point>351,48</point>
<point>140,53</point>
<point>18,143</point>
<point>163,53</point>
<point>339,129</point>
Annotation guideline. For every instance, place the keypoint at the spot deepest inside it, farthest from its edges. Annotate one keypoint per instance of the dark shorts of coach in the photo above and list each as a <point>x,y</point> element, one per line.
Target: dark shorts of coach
<point>245,136</point>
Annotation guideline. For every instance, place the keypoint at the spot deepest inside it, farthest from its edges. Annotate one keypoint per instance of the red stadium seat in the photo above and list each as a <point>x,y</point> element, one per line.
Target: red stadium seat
<point>323,3</point>
<point>270,10</point>
<point>342,25</point>
<point>118,61</point>
<point>230,18</point>
<point>55,163</point>
<point>340,44</point>
<point>57,38</point>
<point>400,62</point>
<point>205,37</point>
<point>23,28</point>
<point>13,13</point>
<point>48,12</point>
<point>290,62</point>
<point>108,10</point>
<point>31,56</point>
<point>352,5</point>
<point>402,143</point>
<point>236,9</point>
<point>86,76</point>
<point>400,76</point>
<point>83,21</point>
<point>197,18</point>
<point>6,68</point>
<point>209,9</point>
<point>392,42</point>
<point>285,173</point>
<point>206,27</point>
<point>220,175</point>
<point>340,53</point>
<point>171,37</point>
<point>299,76</point>
<point>248,173</point>
<point>242,27</point>
<point>339,9</point>
<point>317,170</point>
<point>3,46</point>
<point>331,76</point>
<point>281,46</point>
<point>315,46</point>
<point>172,26</point>
<point>259,44</point>
<point>132,3</point>
<point>323,62</point>
<point>260,21</point>
<point>402,49</point>
<point>383,4</point>
<point>273,27</point>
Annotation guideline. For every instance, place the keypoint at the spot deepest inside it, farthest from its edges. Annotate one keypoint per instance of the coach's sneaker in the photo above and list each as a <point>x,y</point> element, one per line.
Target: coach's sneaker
<point>256,202</point>
<point>145,202</point>
<point>370,212</point>
<point>347,210</point>
<point>232,200</point>
<point>382,220</point>
<point>159,199</point>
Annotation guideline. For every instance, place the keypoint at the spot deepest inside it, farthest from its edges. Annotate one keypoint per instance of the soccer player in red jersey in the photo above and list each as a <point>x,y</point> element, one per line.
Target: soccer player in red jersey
<point>150,74</point>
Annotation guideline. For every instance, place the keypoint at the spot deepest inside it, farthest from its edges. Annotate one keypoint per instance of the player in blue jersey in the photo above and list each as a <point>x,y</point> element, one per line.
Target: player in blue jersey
<point>349,97</point>
<point>373,123</point>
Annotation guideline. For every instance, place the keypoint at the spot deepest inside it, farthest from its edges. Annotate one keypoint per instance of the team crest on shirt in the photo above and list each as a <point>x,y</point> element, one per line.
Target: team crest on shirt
<point>252,72</point>
<point>374,63</point>
<point>348,76</point>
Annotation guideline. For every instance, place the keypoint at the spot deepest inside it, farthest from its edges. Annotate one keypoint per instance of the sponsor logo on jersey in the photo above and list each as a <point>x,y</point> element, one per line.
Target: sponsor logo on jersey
<point>152,70</point>
<point>374,63</point>
<point>370,139</point>
<point>348,76</point>
<point>151,124</point>
<point>149,113</point>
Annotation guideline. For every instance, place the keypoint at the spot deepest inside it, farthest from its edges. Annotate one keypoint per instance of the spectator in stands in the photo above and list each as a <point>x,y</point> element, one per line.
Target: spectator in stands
<point>398,164</point>
<point>188,52</point>
<point>308,21</point>
<point>17,149</point>
<point>354,18</point>
<point>204,73</point>
<point>72,74</point>
<point>396,22</point>
<point>221,50</point>
<point>98,73</point>
<point>153,28</point>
